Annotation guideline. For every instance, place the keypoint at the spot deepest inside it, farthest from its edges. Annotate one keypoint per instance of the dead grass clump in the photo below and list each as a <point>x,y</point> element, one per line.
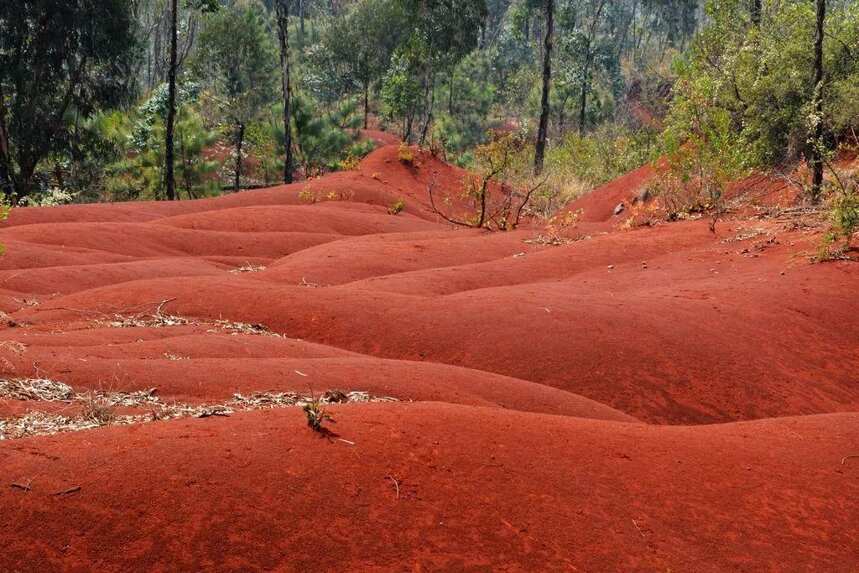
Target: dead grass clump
<point>32,424</point>
<point>248,268</point>
<point>174,357</point>
<point>244,328</point>
<point>35,389</point>
<point>127,399</point>
<point>98,411</point>
<point>260,400</point>
<point>143,321</point>
<point>161,320</point>
<point>98,408</point>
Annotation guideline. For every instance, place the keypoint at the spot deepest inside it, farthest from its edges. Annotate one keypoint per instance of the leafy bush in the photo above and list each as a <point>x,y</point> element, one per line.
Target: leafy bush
<point>760,76</point>
<point>703,152</point>
<point>405,154</point>
<point>138,173</point>
<point>844,218</point>
<point>325,140</point>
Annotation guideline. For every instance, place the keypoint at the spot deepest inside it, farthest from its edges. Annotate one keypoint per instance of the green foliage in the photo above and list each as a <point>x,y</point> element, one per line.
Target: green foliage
<point>59,61</point>
<point>608,152</point>
<point>467,117</point>
<point>401,91</point>
<point>354,50</point>
<point>236,55</point>
<point>844,218</point>
<point>703,150</point>
<point>264,139</point>
<point>324,141</point>
<point>137,171</point>
<point>761,76</point>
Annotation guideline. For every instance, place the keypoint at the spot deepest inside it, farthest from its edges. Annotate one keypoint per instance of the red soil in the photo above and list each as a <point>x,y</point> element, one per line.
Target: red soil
<point>636,400</point>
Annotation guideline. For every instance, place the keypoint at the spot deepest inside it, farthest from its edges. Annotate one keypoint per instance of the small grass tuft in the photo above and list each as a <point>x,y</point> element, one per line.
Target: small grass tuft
<point>316,414</point>
<point>406,155</point>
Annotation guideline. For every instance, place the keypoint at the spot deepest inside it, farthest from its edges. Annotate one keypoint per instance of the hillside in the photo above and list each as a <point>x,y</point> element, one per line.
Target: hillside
<point>648,399</point>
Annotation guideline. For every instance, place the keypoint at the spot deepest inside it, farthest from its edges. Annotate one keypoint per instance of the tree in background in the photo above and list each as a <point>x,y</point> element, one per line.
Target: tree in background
<point>440,34</point>
<point>60,61</point>
<point>355,51</point>
<point>236,56</point>
<point>172,70</point>
<point>766,75</point>
<point>282,11</point>
<point>543,129</point>
<point>817,144</point>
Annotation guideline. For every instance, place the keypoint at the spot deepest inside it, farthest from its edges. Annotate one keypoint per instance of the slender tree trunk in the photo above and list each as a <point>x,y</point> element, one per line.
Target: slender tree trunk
<point>6,184</point>
<point>24,183</point>
<point>542,131</point>
<point>283,34</point>
<point>583,101</point>
<point>240,139</point>
<point>410,118</point>
<point>756,10</point>
<point>301,24</point>
<point>450,91</point>
<point>366,103</point>
<point>171,106</point>
<point>562,116</point>
<point>430,107</point>
<point>817,136</point>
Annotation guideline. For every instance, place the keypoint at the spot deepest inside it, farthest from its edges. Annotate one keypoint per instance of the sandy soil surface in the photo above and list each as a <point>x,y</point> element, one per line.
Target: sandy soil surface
<point>645,399</point>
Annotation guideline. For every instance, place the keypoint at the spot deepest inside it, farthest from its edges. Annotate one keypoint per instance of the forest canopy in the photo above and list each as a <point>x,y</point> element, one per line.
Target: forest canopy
<point>104,100</point>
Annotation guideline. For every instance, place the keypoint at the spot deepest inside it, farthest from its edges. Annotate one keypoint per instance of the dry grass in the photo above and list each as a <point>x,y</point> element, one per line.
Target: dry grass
<point>41,389</point>
<point>248,268</point>
<point>161,320</point>
<point>98,408</point>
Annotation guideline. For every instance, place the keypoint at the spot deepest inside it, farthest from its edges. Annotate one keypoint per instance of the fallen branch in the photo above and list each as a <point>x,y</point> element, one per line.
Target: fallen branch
<point>73,489</point>
<point>430,188</point>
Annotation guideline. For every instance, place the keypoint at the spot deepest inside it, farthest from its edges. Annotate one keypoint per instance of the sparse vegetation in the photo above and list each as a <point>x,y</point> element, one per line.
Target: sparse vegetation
<point>316,413</point>
<point>97,411</point>
<point>491,192</point>
<point>99,408</point>
<point>406,154</point>
<point>844,218</point>
<point>397,207</point>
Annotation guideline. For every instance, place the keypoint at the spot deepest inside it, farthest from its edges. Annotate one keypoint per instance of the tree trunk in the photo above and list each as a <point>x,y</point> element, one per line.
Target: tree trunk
<point>817,136</point>
<point>283,34</point>
<point>366,103</point>
<point>756,9</point>
<point>430,107</point>
<point>450,91</point>
<point>301,24</point>
<point>562,116</point>
<point>583,101</point>
<point>240,139</point>
<point>171,106</point>
<point>540,150</point>
<point>24,183</point>
<point>6,183</point>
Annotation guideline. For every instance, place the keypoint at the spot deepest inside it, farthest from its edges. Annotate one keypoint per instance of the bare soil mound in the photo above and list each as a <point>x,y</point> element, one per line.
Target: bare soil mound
<point>435,487</point>
<point>649,399</point>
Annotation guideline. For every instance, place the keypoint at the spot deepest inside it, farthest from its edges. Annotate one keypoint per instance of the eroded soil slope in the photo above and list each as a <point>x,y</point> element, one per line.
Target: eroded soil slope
<point>650,399</point>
